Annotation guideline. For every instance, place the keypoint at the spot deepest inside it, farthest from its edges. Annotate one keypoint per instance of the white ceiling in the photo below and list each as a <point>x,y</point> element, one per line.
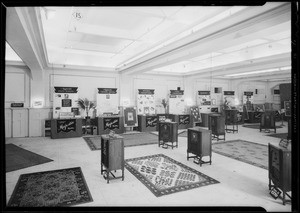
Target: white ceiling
<point>126,38</point>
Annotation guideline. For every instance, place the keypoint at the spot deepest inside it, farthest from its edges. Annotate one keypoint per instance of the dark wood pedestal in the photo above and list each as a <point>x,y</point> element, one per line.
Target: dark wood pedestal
<point>231,120</point>
<point>199,144</point>
<point>267,121</point>
<point>168,134</point>
<point>112,155</point>
<point>217,126</point>
<point>66,128</point>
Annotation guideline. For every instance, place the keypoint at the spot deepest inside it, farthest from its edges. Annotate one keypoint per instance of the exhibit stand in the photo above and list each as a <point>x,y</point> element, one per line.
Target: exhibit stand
<point>204,101</point>
<point>107,101</point>
<point>229,99</point>
<point>184,120</point>
<point>66,128</point>
<point>110,123</point>
<point>176,102</point>
<point>147,123</point>
<point>248,100</point>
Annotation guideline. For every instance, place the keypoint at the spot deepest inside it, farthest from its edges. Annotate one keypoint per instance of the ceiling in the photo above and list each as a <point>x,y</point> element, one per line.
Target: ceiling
<point>193,41</point>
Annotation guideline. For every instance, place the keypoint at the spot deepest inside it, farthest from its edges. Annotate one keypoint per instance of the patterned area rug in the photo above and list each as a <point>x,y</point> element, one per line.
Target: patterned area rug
<point>18,158</point>
<point>248,152</point>
<point>256,126</point>
<point>279,135</point>
<point>51,188</point>
<point>144,138</point>
<point>162,175</point>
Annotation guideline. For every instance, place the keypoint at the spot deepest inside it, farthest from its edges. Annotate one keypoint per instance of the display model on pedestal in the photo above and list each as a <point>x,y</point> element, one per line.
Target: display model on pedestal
<point>199,144</point>
<point>168,134</point>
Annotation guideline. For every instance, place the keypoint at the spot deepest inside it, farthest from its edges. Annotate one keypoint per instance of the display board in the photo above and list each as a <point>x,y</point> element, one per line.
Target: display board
<point>130,117</point>
<point>107,101</point>
<point>65,101</point>
<point>195,114</point>
<point>145,102</point>
<point>204,98</point>
<point>248,100</point>
<point>176,102</point>
<point>228,98</point>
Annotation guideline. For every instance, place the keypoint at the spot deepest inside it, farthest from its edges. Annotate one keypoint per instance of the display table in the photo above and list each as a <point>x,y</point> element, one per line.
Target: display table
<point>168,134</point>
<point>184,120</point>
<point>217,126</point>
<point>112,155</point>
<point>66,128</point>
<point>199,144</point>
<point>147,123</point>
<point>108,123</point>
<point>280,160</point>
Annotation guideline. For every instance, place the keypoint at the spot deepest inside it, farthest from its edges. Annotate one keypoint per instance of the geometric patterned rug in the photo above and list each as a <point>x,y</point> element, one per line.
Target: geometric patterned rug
<point>279,135</point>
<point>144,138</point>
<point>62,187</point>
<point>245,151</point>
<point>163,175</point>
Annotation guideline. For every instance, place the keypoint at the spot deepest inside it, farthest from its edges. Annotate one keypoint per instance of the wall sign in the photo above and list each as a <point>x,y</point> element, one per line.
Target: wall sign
<point>275,193</point>
<point>65,89</point>
<point>176,92</point>
<point>66,125</point>
<point>203,92</point>
<point>228,92</point>
<point>107,90</point>
<point>248,93</point>
<point>17,105</point>
<point>146,91</point>
<point>151,121</point>
<point>184,119</point>
<point>111,123</point>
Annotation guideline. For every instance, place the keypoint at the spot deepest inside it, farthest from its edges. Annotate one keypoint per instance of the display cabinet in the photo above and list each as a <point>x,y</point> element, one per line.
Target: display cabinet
<point>112,156</point>
<point>108,123</point>
<point>161,118</point>
<point>168,134</point>
<point>231,120</point>
<point>217,126</point>
<point>280,170</point>
<point>267,121</point>
<point>205,119</point>
<point>199,144</point>
<point>147,123</point>
<point>66,128</point>
<point>184,120</point>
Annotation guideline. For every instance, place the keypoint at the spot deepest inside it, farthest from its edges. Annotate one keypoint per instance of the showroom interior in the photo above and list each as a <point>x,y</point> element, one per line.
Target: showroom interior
<point>149,106</point>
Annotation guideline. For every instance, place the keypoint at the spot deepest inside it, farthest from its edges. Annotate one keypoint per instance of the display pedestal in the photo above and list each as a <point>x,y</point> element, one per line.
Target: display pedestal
<point>184,121</point>
<point>66,128</point>
<point>168,134</point>
<point>205,119</point>
<point>199,144</point>
<point>112,155</point>
<point>108,123</point>
<point>217,126</point>
<point>231,120</point>
<point>280,170</point>
<point>267,121</point>
<point>162,118</point>
<point>147,123</point>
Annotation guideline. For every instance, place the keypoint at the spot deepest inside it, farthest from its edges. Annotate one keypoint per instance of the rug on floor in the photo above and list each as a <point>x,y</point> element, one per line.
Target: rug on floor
<point>256,126</point>
<point>245,151</point>
<point>279,135</point>
<point>162,175</point>
<point>62,187</point>
<point>18,158</point>
<point>144,138</point>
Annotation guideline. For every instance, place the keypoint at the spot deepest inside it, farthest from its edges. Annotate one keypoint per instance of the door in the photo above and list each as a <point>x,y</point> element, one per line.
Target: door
<point>20,122</point>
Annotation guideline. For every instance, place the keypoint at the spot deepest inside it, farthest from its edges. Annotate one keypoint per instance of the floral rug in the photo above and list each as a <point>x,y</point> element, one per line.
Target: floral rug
<point>248,152</point>
<point>162,175</point>
<point>144,138</point>
<point>62,187</point>
<point>18,158</point>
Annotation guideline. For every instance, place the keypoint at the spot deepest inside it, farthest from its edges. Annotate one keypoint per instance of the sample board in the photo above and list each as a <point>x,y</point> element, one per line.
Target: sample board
<point>145,101</point>
<point>107,101</point>
<point>176,102</point>
<point>65,102</point>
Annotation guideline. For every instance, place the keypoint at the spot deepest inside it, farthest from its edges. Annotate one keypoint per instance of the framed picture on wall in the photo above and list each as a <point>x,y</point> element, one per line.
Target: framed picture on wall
<point>130,117</point>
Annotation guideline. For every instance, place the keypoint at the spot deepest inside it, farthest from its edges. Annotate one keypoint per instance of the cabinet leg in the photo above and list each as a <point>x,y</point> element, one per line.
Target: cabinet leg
<point>269,184</point>
<point>283,197</point>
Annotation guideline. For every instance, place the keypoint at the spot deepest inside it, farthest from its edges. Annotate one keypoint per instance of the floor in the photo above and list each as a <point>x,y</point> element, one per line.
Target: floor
<point>241,184</point>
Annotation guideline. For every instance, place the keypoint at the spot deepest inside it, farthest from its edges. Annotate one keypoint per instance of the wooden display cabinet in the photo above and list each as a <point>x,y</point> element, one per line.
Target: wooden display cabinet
<point>184,120</point>
<point>199,144</point>
<point>231,119</point>
<point>280,170</point>
<point>267,121</point>
<point>168,134</point>
<point>112,155</point>
<point>205,119</point>
<point>217,126</point>
<point>66,128</point>
<point>108,123</point>
<point>147,123</point>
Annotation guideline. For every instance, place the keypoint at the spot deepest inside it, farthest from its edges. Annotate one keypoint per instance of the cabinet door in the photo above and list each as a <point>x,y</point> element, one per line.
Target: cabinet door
<point>164,132</point>
<point>116,154</point>
<point>193,142</point>
<point>20,123</point>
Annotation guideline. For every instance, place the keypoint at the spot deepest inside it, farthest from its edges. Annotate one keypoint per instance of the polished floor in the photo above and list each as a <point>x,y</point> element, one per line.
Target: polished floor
<point>241,184</point>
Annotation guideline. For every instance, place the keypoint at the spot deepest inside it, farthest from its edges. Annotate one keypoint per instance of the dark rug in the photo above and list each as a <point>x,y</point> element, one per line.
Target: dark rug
<point>144,138</point>
<point>62,187</point>
<point>248,152</point>
<point>162,175</point>
<point>256,126</point>
<point>279,135</point>
<point>18,158</point>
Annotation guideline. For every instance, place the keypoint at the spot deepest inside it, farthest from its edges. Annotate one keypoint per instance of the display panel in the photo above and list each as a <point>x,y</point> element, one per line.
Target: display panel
<point>228,98</point>
<point>204,98</point>
<point>130,117</point>
<point>176,102</point>
<point>107,101</point>
<point>146,101</point>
